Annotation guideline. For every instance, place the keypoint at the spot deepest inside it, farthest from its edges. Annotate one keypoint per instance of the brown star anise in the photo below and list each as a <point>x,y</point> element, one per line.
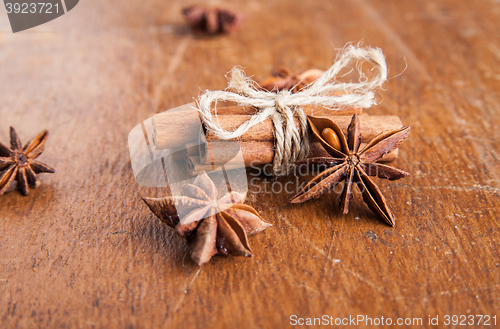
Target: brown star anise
<point>283,79</point>
<point>18,163</point>
<point>211,20</point>
<point>211,225</point>
<point>350,164</point>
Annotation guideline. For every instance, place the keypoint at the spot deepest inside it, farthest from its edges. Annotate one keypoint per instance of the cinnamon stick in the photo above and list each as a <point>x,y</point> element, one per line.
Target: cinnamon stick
<point>195,167</point>
<point>191,148</point>
<point>371,126</point>
<point>258,153</point>
<point>174,128</point>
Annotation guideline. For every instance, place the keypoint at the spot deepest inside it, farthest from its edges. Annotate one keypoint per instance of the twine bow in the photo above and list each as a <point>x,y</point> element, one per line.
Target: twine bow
<point>291,143</point>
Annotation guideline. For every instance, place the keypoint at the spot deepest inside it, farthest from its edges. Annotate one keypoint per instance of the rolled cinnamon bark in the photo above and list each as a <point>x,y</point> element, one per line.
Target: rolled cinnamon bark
<point>308,110</point>
<point>195,167</point>
<point>175,128</point>
<point>258,153</point>
<point>371,126</point>
<point>191,148</point>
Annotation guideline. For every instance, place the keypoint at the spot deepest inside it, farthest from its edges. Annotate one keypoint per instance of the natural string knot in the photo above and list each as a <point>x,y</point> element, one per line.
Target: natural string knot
<point>292,143</point>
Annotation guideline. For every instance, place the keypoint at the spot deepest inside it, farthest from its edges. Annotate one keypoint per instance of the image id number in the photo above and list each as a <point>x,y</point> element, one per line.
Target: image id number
<point>32,8</point>
<point>463,320</point>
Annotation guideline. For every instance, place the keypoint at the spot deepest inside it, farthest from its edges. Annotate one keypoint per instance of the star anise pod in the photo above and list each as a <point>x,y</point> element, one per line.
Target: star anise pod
<point>211,20</point>
<point>211,225</point>
<point>283,79</point>
<point>18,163</point>
<point>351,165</point>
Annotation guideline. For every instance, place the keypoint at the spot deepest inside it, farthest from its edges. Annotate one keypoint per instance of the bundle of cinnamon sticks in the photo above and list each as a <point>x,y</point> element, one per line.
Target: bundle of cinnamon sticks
<point>203,151</point>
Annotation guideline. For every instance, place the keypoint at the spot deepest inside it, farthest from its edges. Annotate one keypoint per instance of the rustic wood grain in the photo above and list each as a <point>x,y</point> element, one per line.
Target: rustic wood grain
<point>84,251</point>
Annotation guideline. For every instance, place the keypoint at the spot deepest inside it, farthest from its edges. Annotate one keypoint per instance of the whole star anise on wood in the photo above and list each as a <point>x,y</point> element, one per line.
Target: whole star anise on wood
<point>18,163</point>
<point>283,79</point>
<point>211,20</point>
<point>351,165</point>
<point>211,225</point>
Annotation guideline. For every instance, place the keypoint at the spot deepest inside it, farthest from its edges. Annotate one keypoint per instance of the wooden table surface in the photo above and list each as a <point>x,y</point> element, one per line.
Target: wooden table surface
<point>84,251</point>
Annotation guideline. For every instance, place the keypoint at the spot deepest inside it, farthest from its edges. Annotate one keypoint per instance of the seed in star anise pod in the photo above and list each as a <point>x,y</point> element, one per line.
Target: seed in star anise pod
<point>18,163</point>
<point>211,20</point>
<point>350,164</point>
<point>211,224</point>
